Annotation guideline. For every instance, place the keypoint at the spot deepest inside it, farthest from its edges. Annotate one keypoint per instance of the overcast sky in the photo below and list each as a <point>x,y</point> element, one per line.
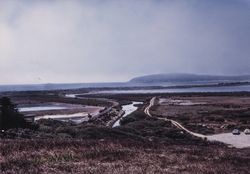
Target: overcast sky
<point>50,41</point>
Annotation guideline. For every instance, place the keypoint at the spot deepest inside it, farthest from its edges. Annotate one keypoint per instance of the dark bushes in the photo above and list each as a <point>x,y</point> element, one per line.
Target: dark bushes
<point>135,116</point>
<point>10,117</point>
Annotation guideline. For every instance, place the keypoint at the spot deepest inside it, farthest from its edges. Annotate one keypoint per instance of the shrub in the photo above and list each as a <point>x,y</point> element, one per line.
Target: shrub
<point>135,116</point>
<point>10,117</point>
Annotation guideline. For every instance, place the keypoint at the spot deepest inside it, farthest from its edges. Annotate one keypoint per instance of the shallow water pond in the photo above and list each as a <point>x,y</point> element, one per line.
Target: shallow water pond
<point>40,108</point>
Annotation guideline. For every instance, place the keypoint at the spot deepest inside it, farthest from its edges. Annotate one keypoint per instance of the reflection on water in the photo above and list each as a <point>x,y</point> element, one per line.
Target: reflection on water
<point>128,109</point>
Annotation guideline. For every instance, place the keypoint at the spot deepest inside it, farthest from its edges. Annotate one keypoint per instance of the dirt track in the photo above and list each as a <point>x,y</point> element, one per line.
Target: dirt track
<point>241,141</point>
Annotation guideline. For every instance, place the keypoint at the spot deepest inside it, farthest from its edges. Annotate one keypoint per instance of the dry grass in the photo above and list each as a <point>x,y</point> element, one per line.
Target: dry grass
<point>124,156</point>
<point>142,145</point>
<point>218,114</point>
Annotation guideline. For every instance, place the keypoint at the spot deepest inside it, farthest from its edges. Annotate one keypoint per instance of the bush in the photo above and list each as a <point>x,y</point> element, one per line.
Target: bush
<point>10,117</point>
<point>135,116</point>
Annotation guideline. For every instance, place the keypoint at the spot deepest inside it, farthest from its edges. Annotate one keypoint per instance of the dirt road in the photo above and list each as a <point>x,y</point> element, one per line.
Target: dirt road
<point>242,141</point>
<point>147,111</point>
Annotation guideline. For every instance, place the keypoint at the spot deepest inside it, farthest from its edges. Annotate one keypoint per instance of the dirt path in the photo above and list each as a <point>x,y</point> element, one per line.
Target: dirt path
<point>147,111</point>
<point>240,141</point>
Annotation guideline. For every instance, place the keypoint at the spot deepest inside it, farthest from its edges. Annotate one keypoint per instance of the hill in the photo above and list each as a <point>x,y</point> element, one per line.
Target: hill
<point>161,78</point>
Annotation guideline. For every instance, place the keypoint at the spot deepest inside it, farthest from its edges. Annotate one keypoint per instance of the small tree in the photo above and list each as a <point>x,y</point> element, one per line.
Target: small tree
<point>10,117</point>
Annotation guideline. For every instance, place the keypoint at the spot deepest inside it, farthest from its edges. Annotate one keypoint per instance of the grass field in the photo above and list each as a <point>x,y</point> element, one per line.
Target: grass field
<point>140,145</point>
<point>118,156</point>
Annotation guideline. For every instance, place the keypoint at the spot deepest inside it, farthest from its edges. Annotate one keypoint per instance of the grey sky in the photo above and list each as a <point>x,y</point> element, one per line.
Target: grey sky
<point>115,40</point>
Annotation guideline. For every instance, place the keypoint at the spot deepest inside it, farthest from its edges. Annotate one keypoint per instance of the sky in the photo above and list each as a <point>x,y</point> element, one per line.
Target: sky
<point>68,41</point>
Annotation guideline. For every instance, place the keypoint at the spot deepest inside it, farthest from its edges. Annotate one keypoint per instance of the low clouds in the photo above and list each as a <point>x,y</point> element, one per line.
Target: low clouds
<point>88,41</point>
